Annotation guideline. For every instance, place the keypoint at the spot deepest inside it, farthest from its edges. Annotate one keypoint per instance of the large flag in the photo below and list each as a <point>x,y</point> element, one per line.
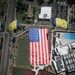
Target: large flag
<point>14,25</point>
<point>39,47</point>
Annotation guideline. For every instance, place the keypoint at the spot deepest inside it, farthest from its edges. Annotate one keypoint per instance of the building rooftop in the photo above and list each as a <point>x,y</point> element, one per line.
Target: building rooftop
<point>45,13</point>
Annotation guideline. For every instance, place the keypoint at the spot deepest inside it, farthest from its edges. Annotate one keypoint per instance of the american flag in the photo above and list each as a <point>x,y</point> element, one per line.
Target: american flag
<point>39,52</point>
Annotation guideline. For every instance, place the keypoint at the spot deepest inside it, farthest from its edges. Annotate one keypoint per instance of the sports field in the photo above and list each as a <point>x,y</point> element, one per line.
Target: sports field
<point>22,54</point>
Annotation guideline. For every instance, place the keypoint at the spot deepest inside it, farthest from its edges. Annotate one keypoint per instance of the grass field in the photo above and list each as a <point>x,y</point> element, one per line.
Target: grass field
<point>22,60</point>
<point>20,16</point>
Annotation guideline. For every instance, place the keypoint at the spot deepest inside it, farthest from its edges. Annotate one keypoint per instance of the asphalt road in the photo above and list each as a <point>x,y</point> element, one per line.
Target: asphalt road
<point>5,55</point>
<point>28,26</point>
<point>1,34</point>
<point>10,13</point>
<point>7,37</point>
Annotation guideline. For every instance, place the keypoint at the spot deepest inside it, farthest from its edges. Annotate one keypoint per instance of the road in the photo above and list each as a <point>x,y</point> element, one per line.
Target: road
<point>5,55</point>
<point>10,13</point>
<point>20,33</point>
<point>28,26</point>
<point>6,43</point>
<point>1,34</point>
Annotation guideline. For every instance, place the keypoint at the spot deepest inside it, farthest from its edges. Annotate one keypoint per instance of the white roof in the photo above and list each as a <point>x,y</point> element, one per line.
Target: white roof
<point>63,50</point>
<point>45,13</point>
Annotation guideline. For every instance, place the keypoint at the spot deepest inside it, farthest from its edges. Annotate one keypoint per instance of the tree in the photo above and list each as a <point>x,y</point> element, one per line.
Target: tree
<point>29,0</point>
<point>3,26</point>
<point>23,18</point>
<point>13,40</point>
<point>21,7</point>
<point>26,7</point>
<point>50,1</point>
<point>40,2</point>
<point>34,9</point>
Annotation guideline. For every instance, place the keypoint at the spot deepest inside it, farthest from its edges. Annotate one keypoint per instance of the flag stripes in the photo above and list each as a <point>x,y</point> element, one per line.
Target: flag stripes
<point>39,51</point>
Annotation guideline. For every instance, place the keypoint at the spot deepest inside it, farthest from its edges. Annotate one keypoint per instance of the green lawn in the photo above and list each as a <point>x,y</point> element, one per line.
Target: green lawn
<point>22,60</point>
<point>20,16</point>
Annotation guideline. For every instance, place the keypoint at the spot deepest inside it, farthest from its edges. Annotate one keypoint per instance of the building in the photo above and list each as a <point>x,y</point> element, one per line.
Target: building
<point>45,13</point>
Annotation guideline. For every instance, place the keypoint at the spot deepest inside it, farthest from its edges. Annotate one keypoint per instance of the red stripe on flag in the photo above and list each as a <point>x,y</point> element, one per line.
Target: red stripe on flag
<point>30,52</point>
<point>43,46</point>
<point>33,53</point>
<point>34,45</point>
<point>37,53</point>
<point>41,54</point>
